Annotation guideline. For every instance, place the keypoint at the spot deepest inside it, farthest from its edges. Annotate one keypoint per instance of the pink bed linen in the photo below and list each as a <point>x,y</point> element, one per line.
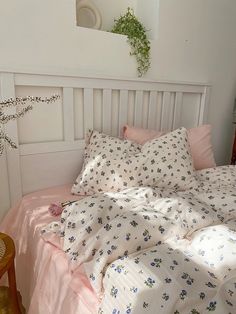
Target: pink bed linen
<point>43,276</point>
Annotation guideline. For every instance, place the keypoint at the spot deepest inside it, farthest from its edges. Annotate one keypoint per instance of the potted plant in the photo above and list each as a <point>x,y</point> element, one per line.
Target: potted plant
<point>129,25</point>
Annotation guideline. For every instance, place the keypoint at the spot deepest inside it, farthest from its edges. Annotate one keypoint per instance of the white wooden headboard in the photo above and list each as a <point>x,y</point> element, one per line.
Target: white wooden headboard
<point>51,138</point>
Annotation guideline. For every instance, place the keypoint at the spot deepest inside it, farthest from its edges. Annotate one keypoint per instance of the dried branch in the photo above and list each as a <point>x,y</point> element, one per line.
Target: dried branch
<point>6,118</point>
<point>18,101</point>
<point>22,100</point>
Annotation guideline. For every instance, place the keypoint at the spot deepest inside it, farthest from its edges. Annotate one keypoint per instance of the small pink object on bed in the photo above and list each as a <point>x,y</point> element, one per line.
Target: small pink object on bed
<point>43,273</point>
<point>55,209</point>
<point>199,142</point>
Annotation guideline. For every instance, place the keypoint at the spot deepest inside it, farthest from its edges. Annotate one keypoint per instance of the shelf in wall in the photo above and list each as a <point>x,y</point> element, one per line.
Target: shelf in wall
<point>147,13</point>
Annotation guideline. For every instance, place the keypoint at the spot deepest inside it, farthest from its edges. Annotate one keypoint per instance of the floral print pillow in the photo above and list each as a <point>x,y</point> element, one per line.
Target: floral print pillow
<point>101,152</point>
<point>166,162</point>
<point>113,165</point>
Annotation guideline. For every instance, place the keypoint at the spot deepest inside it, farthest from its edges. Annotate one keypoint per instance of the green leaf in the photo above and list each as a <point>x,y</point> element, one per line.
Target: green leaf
<point>129,25</point>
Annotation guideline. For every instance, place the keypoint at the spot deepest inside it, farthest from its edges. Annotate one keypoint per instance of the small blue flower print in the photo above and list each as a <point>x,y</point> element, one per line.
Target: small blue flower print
<point>134,289</point>
<point>149,282</point>
<point>114,291</point>
<point>156,262</point>
<point>212,306</point>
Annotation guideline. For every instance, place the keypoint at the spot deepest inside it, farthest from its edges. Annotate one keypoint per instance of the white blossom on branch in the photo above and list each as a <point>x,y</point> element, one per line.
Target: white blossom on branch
<point>13,102</point>
<point>6,118</point>
<point>22,100</point>
<point>5,138</point>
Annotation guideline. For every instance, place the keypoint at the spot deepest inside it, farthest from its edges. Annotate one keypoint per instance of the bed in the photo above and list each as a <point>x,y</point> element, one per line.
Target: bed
<point>139,244</point>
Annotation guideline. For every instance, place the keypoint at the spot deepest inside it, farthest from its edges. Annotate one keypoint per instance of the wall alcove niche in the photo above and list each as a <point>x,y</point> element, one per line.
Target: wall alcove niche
<point>88,15</point>
<point>97,14</point>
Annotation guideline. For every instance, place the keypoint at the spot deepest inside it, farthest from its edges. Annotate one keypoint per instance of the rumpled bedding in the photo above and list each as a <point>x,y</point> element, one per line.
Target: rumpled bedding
<point>150,250</point>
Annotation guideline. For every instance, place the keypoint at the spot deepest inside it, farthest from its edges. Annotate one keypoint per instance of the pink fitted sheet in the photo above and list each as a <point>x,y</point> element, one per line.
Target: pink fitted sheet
<point>42,270</point>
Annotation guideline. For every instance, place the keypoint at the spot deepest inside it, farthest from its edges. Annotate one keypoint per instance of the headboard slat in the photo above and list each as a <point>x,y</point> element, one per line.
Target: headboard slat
<point>123,110</point>
<point>68,114</point>
<point>88,109</point>
<point>177,110</point>
<point>13,159</point>
<point>152,110</point>
<point>138,108</point>
<point>167,112</point>
<point>106,111</point>
<point>203,110</point>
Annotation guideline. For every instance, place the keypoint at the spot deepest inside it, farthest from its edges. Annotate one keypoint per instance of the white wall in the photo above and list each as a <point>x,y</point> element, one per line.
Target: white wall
<point>41,35</point>
<point>196,42</point>
<point>148,14</point>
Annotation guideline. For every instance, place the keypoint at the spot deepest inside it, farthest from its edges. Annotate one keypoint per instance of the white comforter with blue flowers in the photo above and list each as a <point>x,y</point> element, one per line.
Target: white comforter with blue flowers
<point>150,250</point>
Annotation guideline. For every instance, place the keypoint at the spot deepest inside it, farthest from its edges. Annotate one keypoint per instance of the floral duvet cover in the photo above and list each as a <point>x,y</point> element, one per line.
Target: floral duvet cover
<point>150,250</point>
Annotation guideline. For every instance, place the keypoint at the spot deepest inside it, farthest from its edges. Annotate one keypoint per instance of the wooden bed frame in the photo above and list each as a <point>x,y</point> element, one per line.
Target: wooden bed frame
<point>51,138</point>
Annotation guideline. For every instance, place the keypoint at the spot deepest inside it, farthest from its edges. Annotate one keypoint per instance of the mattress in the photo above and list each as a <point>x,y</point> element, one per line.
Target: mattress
<point>43,275</point>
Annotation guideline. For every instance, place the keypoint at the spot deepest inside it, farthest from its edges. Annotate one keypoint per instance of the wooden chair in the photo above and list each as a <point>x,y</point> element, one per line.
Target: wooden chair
<point>7,255</point>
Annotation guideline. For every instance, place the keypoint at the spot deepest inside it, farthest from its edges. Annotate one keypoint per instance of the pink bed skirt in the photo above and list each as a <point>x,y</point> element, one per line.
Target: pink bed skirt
<point>43,276</point>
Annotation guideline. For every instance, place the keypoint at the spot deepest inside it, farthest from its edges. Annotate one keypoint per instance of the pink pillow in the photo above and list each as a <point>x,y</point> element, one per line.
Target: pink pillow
<point>140,135</point>
<point>199,142</point>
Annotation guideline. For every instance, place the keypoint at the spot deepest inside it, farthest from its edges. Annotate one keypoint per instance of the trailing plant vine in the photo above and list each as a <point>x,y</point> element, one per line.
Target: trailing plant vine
<point>129,25</point>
